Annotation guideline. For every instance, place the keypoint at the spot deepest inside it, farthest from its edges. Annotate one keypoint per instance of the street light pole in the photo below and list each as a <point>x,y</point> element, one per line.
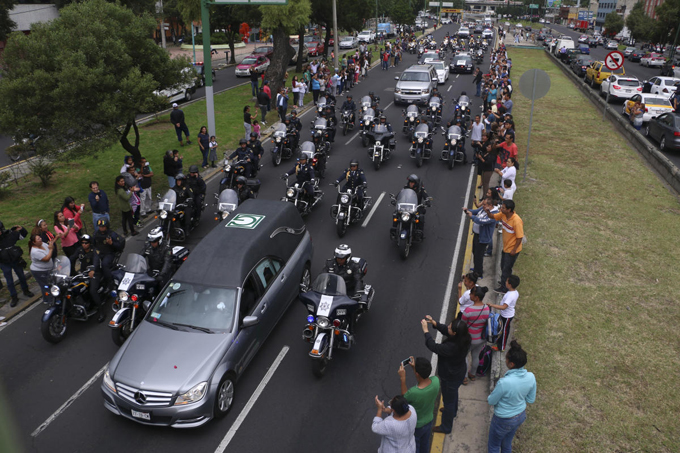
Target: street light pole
<point>207,67</point>
<point>335,36</point>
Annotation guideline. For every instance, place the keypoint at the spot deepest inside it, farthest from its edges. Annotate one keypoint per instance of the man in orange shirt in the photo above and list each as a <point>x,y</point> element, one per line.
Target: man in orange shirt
<point>513,233</point>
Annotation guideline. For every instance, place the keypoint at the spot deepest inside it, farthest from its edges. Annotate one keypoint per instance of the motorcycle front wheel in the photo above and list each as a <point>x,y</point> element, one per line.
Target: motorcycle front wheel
<point>319,367</point>
<point>341,228</point>
<point>452,162</point>
<point>54,329</point>
<point>121,334</point>
<point>376,164</point>
<point>419,160</point>
<point>404,249</point>
<point>276,159</point>
<point>344,129</point>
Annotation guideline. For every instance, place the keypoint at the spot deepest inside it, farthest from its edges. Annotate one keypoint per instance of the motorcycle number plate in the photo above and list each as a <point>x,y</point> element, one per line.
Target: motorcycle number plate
<point>325,306</point>
<point>142,415</point>
<point>125,283</point>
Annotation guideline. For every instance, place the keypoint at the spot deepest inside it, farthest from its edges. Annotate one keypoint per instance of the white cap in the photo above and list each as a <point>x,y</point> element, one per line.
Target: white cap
<point>174,105</point>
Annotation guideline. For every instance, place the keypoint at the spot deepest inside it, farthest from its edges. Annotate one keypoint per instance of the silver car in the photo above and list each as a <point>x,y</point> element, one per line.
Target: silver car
<point>348,42</point>
<point>180,366</point>
<point>415,84</point>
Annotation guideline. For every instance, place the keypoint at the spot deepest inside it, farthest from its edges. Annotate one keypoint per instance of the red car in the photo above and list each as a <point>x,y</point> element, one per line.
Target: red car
<point>258,63</point>
<point>266,51</point>
<point>314,48</point>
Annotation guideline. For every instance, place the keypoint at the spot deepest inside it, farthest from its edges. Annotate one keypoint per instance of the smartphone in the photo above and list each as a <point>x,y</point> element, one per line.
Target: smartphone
<point>406,361</point>
<point>71,222</point>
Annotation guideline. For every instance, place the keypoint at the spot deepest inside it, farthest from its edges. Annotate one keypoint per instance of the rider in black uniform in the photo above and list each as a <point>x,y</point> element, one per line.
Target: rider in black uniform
<point>108,244</point>
<point>87,256</point>
<point>355,179</point>
<point>244,154</point>
<point>413,182</point>
<point>256,149</point>
<point>351,106</point>
<point>197,185</point>
<point>158,256</point>
<point>242,190</point>
<point>332,122</point>
<point>341,264</point>
<point>184,196</point>
<point>305,176</point>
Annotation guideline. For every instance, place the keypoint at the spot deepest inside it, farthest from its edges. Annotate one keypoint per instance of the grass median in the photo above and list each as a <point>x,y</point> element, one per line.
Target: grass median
<point>598,298</point>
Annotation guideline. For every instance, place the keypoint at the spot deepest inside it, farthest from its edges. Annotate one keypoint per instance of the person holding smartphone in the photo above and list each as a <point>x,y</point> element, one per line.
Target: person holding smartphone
<point>73,211</point>
<point>67,229</point>
<point>422,396</point>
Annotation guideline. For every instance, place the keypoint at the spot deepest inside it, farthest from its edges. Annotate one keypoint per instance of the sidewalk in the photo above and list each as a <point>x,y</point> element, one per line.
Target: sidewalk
<point>220,59</point>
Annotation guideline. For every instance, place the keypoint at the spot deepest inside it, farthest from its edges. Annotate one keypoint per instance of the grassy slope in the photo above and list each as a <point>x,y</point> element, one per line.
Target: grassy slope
<point>598,306</point>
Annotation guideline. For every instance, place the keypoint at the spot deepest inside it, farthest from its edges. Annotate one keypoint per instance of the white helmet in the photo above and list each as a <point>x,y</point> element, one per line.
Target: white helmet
<point>155,235</point>
<point>343,251</point>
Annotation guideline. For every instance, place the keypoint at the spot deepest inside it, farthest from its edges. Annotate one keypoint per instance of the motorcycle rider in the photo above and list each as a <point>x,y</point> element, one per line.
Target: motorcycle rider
<point>185,196</point>
<point>355,179</point>
<point>413,182</point>
<point>87,256</point>
<point>294,119</point>
<point>242,189</point>
<point>330,100</point>
<point>332,122</point>
<point>383,120</point>
<point>351,106</point>
<point>292,130</point>
<point>256,149</point>
<point>158,257</point>
<point>342,265</point>
<point>244,154</point>
<point>374,99</point>
<point>108,244</point>
<point>197,185</point>
<point>304,173</point>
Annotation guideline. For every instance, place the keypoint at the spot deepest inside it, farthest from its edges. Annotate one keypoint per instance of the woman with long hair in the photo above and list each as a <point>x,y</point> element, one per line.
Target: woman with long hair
<point>73,211</point>
<point>204,145</point>
<point>43,229</point>
<point>122,197</point>
<point>41,264</point>
<point>69,238</point>
<point>475,317</point>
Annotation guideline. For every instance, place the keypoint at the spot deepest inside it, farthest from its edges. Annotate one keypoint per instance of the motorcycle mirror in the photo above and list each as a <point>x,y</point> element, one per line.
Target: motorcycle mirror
<point>250,321</point>
<point>146,304</point>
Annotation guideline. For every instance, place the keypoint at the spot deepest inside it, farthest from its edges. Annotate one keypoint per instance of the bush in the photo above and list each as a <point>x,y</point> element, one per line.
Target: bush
<point>42,168</point>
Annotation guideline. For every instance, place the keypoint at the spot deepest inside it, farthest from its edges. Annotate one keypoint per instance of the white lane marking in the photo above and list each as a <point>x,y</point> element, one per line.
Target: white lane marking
<point>450,86</point>
<point>457,75</point>
<point>37,303</point>
<point>388,105</point>
<point>452,277</point>
<point>353,137</point>
<point>375,206</point>
<point>68,402</point>
<point>251,402</point>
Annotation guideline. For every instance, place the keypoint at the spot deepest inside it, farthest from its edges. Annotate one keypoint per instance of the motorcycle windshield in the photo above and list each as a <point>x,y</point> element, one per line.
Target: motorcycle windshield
<point>135,263</point>
<point>412,111</point>
<point>435,102</point>
<point>62,267</point>
<point>366,101</point>
<point>168,201</point>
<point>281,130</point>
<point>454,132</point>
<point>407,200</point>
<point>422,130</point>
<point>227,201</point>
<point>369,115</point>
<point>320,123</point>
<point>321,103</point>
<point>307,147</point>
<point>329,285</point>
<point>380,129</point>
<point>464,101</point>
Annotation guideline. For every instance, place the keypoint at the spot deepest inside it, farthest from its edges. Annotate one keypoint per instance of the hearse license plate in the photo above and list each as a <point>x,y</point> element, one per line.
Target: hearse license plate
<point>142,415</point>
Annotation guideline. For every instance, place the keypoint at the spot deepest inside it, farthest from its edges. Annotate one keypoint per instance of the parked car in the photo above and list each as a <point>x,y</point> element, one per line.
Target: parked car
<point>200,74</point>
<point>315,48</point>
<point>665,129</point>
<point>628,51</point>
<point>611,45</point>
<point>597,72</point>
<point>636,56</point>
<point>662,86</point>
<point>584,49</point>
<point>652,59</point>
<point>366,36</point>
<point>655,105</point>
<point>593,42</point>
<point>182,91</point>
<point>570,26</point>
<point>618,86</point>
<point>668,67</point>
<point>181,365</point>
<point>266,51</point>
<point>252,62</point>
<point>580,64</point>
<point>294,43</point>
<point>348,42</point>
<point>583,39</point>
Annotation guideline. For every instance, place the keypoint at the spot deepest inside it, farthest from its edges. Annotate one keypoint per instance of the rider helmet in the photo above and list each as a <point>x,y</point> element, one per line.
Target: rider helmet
<point>353,163</point>
<point>294,112</point>
<point>155,235</point>
<point>343,252</point>
<point>193,169</point>
<point>349,96</point>
<point>253,135</point>
<point>85,239</point>
<point>371,93</point>
<point>180,177</point>
<point>383,119</point>
<point>241,180</point>
<point>413,178</point>
<point>302,157</point>
<point>288,118</point>
<point>103,222</point>
<point>243,141</point>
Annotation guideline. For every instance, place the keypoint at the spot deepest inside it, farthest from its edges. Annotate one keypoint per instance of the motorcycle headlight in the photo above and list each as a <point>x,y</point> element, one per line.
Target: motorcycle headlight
<point>290,193</point>
<point>195,394</point>
<point>278,139</point>
<point>225,215</point>
<point>405,216</point>
<point>164,214</point>
<point>109,382</point>
<point>123,296</point>
<point>54,290</point>
<point>420,140</point>
<point>453,142</point>
<point>411,119</point>
<point>434,107</point>
<point>344,199</point>
<point>227,168</point>
<point>322,322</point>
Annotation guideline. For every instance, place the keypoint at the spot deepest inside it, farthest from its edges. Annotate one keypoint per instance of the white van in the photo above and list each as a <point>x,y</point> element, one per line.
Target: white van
<point>558,44</point>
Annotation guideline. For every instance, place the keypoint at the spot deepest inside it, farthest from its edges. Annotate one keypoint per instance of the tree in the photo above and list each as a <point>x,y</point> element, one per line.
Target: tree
<point>641,26</point>
<point>283,20</point>
<point>229,17</point>
<point>6,24</point>
<point>137,6</point>
<point>79,81</point>
<point>613,23</point>
<point>403,13</point>
<point>668,20</point>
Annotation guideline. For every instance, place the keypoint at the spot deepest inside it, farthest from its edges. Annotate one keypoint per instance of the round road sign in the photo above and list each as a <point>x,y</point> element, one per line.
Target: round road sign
<point>613,60</point>
<point>534,84</point>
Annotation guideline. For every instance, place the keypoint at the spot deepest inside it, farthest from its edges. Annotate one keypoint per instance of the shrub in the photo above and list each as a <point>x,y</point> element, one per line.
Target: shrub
<point>42,168</point>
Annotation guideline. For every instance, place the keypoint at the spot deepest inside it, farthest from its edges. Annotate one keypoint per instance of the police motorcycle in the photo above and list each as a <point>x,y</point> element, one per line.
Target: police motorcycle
<point>479,56</point>
<point>453,147</point>
<point>410,119</point>
<point>346,119</point>
<point>434,109</point>
<point>365,104</point>
<point>405,220</point>
<point>316,156</point>
<point>366,125</point>
<point>232,170</point>
<point>411,47</point>
<point>421,144</point>
<point>226,202</point>
<point>171,216</point>
<point>485,44</point>
<point>462,109</point>
<point>136,291</point>
<point>296,194</point>
<point>283,145</point>
<point>421,49</point>
<point>348,209</point>
<point>72,300</point>
<point>381,144</point>
<point>332,315</point>
<point>321,136</point>
<point>321,106</point>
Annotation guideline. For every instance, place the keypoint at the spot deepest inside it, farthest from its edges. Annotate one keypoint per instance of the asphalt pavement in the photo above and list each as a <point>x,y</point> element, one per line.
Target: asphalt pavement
<point>47,383</point>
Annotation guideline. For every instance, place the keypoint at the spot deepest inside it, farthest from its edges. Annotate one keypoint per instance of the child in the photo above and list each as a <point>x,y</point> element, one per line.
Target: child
<point>256,128</point>
<point>213,149</point>
<point>507,308</point>
<point>301,96</point>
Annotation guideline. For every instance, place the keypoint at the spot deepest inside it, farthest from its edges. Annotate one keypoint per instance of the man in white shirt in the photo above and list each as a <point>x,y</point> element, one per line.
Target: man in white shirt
<point>508,190</point>
<point>476,132</point>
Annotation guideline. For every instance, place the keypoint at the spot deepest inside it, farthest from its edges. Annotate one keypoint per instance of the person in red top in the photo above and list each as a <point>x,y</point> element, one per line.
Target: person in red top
<point>73,211</point>
<point>505,150</point>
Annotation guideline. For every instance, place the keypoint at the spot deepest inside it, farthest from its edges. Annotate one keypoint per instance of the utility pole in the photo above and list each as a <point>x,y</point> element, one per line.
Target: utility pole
<point>207,67</point>
<point>376,20</point>
<point>335,36</point>
<point>163,43</point>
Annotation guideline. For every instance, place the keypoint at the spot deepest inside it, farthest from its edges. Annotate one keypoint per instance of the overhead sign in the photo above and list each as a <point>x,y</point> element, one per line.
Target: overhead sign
<point>613,60</point>
<point>447,4</point>
<point>533,6</point>
<point>451,10</point>
<point>434,4</point>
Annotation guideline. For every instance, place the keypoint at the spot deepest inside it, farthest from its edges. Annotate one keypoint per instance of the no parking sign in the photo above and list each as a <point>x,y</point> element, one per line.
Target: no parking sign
<point>613,60</point>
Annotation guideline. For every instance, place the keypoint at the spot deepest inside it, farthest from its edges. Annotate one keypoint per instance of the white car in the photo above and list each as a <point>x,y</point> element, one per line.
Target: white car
<point>487,34</point>
<point>366,36</point>
<point>507,24</point>
<point>541,21</point>
<point>663,86</point>
<point>348,42</point>
<point>446,21</point>
<point>179,92</point>
<point>464,32</point>
<point>620,87</point>
<point>583,39</point>
<point>654,105</point>
<point>519,25</point>
<point>652,59</point>
<point>442,70</point>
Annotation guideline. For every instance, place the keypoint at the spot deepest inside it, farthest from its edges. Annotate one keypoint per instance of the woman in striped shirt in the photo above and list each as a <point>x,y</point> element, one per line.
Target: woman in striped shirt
<point>475,317</point>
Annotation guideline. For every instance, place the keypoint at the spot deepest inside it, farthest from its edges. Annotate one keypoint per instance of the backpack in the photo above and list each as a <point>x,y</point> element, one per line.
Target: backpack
<point>492,329</point>
<point>484,361</point>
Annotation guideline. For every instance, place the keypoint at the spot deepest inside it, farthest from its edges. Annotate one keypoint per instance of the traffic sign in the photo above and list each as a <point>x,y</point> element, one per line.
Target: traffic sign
<point>613,60</point>
<point>533,6</point>
<point>447,4</point>
<point>434,4</point>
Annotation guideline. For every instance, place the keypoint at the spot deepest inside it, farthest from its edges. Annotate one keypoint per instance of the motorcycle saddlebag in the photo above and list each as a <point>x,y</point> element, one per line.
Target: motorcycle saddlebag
<point>253,184</point>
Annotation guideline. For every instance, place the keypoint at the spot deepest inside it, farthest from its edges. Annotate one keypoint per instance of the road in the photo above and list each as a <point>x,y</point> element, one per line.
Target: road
<point>295,411</point>
<point>634,69</point>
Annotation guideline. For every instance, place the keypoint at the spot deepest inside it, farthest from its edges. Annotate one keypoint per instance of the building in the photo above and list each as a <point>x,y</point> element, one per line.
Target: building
<point>26,15</point>
<point>624,7</point>
<point>650,7</point>
<point>604,7</point>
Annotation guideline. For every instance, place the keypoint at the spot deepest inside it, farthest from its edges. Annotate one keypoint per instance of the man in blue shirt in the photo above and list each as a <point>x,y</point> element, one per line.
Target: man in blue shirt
<point>99,203</point>
<point>507,103</point>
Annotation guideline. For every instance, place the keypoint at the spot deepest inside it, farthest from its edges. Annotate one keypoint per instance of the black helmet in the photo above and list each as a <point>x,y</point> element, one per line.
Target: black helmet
<point>371,93</point>
<point>463,93</point>
<point>343,251</point>
<point>193,169</point>
<point>241,180</point>
<point>354,163</point>
<point>302,157</point>
<point>85,238</point>
<point>103,222</point>
<point>243,141</point>
<point>349,96</point>
<point>382,117</point>
<point>288,118</point>
<point>294,112</point>
<point>328,108</point>
<point>414,179</point>
<point>253,135</point>
<point>180,177</point>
